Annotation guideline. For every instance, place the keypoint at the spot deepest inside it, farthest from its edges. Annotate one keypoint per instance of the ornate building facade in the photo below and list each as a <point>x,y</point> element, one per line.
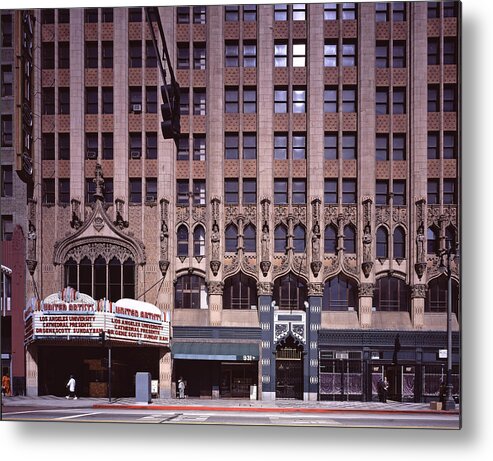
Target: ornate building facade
<point>293,231</point>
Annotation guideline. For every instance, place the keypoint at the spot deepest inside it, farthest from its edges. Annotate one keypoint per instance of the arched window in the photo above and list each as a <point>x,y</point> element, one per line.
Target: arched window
<point>129,279</point>
<point>340,294</point>
<point>432,241</point>
<point>280,238</point>
<point>436,297</point>
<point>349,239</point>
<point>391,294</point>
<point>451,237</point>
<point>99,278</point>
<point>199,241</point>
<point>182,240</point>
<point>299,239</point>
<point>71,273</point>
<point>240,292</point>
<point>290,292</point>
<point>85,276</point>
<point>250,238</point>
<point>190,292</point>
<point>231,240</point>
<point>114,279</point>
<point>382,243</point>
<point>399,243</point>
<point>330,239</point>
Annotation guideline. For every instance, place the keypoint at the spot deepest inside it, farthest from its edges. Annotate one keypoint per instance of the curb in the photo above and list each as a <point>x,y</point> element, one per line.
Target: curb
<point>268,410</point>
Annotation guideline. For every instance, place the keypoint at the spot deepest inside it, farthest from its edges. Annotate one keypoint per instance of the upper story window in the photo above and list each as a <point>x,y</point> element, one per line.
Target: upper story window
<point>91,56</point>
<point>249,12</point>
<point>280,12</point>
<point>6,30</point>
<point>7,227</point>
<point>135,15</point>
<point>199,14</point>
<point>7,181</point>
<point>299,12</point>
<point>232,13</point>
<point>299,54</point>
<point>199,55</point>
<point>47,16</point>
<point>6,131</point>
<point>190,292</point>
<point>183,15</point>
<point>135,53</point>
<point>232,54</point>
<point>280,54</point>
<point>106,14</point>
<point>91,15</point>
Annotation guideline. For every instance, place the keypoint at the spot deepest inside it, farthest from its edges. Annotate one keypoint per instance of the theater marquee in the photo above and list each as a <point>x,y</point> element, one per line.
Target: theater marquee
<point>72,315</point>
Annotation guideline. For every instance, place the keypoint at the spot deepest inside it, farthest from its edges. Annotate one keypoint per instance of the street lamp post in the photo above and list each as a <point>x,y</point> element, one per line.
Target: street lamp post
<point>449,403</point>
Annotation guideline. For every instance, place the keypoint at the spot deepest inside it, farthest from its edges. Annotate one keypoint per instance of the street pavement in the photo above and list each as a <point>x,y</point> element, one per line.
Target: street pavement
<point>281,406</point>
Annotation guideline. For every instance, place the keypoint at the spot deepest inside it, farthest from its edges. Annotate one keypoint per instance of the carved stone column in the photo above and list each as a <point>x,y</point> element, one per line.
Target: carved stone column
<point>316,263</point>
<point>418,295</point>
<point>165,373</point>
<point>265,239</point>
<point>215,263</point>
<point>367,263</point>
<point>215,291</point>
<point>365,304</point>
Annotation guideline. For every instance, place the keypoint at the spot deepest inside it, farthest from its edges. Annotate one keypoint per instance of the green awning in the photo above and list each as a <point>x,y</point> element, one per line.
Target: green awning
<point>215,351</point>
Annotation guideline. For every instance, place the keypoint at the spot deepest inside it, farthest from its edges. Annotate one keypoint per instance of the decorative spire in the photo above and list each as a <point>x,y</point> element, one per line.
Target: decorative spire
<point>99,181</point>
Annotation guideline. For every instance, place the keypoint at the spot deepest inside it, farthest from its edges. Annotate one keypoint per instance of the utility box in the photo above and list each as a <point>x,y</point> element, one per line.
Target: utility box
<point>143,388</point>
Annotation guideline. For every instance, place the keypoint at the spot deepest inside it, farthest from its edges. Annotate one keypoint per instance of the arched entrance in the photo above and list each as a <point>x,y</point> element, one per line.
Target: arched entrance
<point>289,369</point>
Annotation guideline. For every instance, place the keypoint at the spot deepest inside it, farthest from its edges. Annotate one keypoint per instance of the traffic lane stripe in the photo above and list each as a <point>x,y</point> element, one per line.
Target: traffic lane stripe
<point>81,415</point>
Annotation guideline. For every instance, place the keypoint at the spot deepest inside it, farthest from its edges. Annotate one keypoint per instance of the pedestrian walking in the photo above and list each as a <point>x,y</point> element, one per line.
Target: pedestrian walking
<point>382,389</point>
<point>181,388</point>
<point>71,388</point>
<point>5,383</point>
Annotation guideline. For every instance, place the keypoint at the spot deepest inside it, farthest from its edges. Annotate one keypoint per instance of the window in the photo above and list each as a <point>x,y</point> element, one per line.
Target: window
<point>399,101</point>
<point>107,55</point>
<point>449,145</point>
<point>183,15</point>
<point>107,97</point>
<point>6,30</point>
<point>135,15</point>
<point>433,192</point>
<point>349,99</point>
<point>299,54</point>
<point>7,227</point>
<point>249,191</point>
<point>449,51</point>
<point>398,11</point>
<point>91,146</point>
<point>434,10</point>
<point>349,146</point>
<point>151,56</point>
<point>182,192</point>
<point>48,146</point>
<point>106,14</point>
<point>92,100</point>
<point>433,98</point>
<point>299,11</point>
<point>249,54</point>
<point>280,54</point>
<point>231,146</point>
<point>190,292</point>
<point>281,12</point>
<point>299,241</point>
<point>91,15</point>
<point>399,147</point>
<point>135,145</point>
<point>449,191</point>
<point>382,147</point>
<point>348,191</point>
<point>64,146</point>
<point>349,239</point>
<point>240,292</point>
<point>436,298</point>
<point>382,55</point>
<point>399,243</point>
<point>330,146</point>
<point>7,181</point>
<point>399,55</point>
<point>199,56</point>
<point>232,13</point>
<point>249,100</point>
<point>348,54</point>
<point>340,294</point>
<point>48,55</point>
<point>90,190</point>
<point>290,292</point>
<point>232,54</point>
<point>399,191</point>
<point>199,192</point>
<point>135,190</point>
<point>433,51</point>
<point>184,101</point>
<point>199,241</point>
<point>47,16</point>
<point>330,54</point>
<point>151,190</point>
<point>231,191</point>
<point>432,241</point>
<point>135,53</point>
<point>449,98</point>
<point>433,145</point>
<point>249,146</point>
<point>382,101</point>
<point>135,99</point>
<point>199,101</point>
<point>63,100</point>
<point>48,186</point>
<point>151,99</point>
<point>183,56</point>
<point>330,99</point>
<point>330,239</point>
<point>280,100</point>
<point>298,147</point>
<point>381,12</point>
<point>249,12</point>
<point>250,239</point>
<point>280,146</point>
<point>299,100</point>
<point>280,239</point>
<point>64,191</point>
<point>280,191</point>
<point>183,149</point>
<point>63,55</point>
<point>6,130</point>
<point>6,81</point>
<point>182,240</point>
<point>330,191</point>
<point>391,294</point>
<point>231,239</point>
<point>299,191</point>
<point>349,11</point>
<point>382,192</point>
<point>199,147</point>
<point>91,55</point>
<point>107,141</point>
<point>232,100</point>
<point>199,15</point>
<point>330,11</point>
<point>48,101</point>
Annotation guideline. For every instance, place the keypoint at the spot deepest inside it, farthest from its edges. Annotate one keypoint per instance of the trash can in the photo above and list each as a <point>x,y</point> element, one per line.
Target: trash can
<point>253,392</point>
<point>143,388</point>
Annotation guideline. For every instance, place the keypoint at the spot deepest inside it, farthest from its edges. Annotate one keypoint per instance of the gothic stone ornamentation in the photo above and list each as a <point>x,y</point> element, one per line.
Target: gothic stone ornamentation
<point>281,264</point>
<point>75,222</point>
<point>350,214</point>
<point>98,223</point>
<point>281,215</point>
<point>330,215</point>
<point>264,267</point>
<point>215,265</point>
<point>182,214</point>
<point>231,265</point>
<point>399,215</point>
<point>350,265</point>
<point>231,213</point>
<point>366,267</point>
<point>418,291</point>
<point>316,266</point>
<point>382,215</point>
<point>366,290</point>
<point>315,289</point>
<point>299,214</point>
<point>215,288</point>
<point>265,288</point>
<point>198,214</point>
<point>331,265</point>
<point>163,267</point>
<point>107,250</point>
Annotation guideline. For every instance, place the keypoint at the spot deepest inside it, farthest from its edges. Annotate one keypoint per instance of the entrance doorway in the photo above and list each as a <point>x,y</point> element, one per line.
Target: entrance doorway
<point>289,370</point>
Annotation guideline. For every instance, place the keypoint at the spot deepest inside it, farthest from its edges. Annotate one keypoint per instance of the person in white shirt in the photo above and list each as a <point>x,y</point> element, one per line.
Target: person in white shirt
<point>71,388</point>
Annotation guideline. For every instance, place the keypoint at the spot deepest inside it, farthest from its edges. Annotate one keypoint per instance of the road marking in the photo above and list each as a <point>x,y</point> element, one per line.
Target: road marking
<point>77,416</point>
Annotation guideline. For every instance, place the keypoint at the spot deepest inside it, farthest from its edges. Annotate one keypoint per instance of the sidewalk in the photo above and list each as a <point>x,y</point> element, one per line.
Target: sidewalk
<point>279,406</point>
